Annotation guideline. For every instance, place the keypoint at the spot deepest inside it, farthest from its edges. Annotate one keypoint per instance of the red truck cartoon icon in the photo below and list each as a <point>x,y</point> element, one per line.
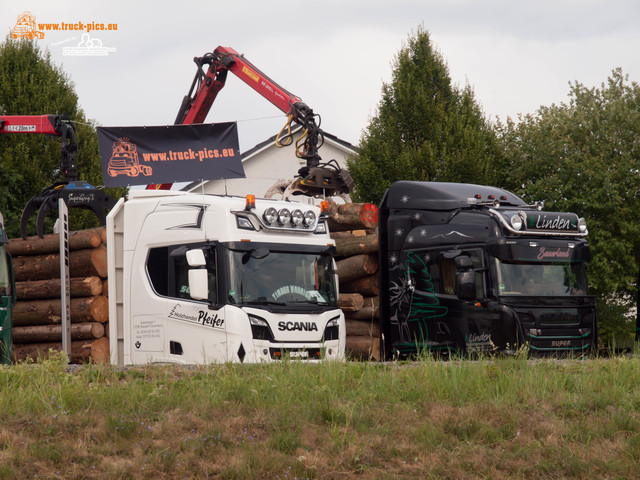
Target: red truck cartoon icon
<point>26,27</point>
<point>124,160</point>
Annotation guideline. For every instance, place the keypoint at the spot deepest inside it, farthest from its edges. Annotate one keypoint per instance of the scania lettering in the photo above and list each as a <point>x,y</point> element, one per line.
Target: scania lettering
<point>302,326</point>
<point>473,268</point>
<point>211,279</point>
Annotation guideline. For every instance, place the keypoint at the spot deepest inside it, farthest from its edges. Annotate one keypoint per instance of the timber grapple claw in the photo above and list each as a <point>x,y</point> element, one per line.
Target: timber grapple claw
<point>76,194</point>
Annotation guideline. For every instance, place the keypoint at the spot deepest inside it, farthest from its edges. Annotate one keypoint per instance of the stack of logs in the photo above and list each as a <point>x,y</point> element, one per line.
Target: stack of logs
<point>37,320</point>
<point>37,314</point>
<point>354,227</point>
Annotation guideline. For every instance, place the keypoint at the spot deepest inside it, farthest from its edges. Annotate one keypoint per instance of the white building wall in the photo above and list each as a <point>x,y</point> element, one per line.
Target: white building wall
<point>266,166</point>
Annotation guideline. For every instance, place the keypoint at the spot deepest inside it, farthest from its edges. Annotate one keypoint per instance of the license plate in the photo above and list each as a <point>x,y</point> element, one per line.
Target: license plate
<point>299,354</point>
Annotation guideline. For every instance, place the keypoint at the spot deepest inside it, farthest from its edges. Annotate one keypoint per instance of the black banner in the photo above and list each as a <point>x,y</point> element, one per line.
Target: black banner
<point>169,154</point>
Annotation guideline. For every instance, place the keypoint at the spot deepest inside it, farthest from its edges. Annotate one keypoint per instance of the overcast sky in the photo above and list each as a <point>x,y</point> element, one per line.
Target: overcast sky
<point>335,55</point>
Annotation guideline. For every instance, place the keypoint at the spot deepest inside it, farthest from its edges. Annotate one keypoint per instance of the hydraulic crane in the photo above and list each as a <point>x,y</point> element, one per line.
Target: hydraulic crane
<point>316,178</point>
<point>76,193</point>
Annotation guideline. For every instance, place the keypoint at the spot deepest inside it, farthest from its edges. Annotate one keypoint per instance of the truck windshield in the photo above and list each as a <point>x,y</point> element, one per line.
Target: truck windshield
<point>542,279</point>
<point>281,278</point>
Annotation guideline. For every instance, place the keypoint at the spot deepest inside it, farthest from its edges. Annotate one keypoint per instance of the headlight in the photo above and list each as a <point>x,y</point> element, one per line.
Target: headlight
<point>332,330</point>
<point>258,321</point>
<point>582,225</point>
<point>284,216</point>
<point>296,217</point>
<point>260,329</point>
<point>516,222</point>
<point>244,223</point>
<point>321,228</point>
<point>309,218</point>
<point>270,215</point>
<point>333,323</point>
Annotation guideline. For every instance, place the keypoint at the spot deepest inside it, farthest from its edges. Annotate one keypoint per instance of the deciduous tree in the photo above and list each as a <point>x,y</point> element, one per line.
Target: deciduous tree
<point>584,156</point>
<point>33,85</point>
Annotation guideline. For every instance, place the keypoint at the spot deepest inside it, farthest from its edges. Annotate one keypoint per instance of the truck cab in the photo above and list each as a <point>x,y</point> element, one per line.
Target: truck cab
<point>212,279</point>
<point>472,268</point>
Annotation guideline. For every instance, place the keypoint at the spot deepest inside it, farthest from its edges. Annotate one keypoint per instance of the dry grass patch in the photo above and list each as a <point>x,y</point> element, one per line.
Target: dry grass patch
<point>500,420</point>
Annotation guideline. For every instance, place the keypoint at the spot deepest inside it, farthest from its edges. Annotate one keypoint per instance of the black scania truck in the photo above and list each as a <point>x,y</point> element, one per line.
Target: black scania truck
<point>470,268</point>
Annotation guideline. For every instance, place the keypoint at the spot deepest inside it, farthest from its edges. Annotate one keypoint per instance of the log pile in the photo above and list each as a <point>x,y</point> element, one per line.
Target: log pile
<point>37,315</point>
<point>354,227</point>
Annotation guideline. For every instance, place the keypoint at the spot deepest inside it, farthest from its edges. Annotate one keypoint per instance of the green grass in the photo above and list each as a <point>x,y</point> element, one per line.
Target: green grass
<point>498,419</point>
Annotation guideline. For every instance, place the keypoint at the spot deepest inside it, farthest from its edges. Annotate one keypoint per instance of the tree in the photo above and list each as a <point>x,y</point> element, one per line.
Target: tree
<point>33,85</point>
<point>584,156</point>
<point>425,128</point>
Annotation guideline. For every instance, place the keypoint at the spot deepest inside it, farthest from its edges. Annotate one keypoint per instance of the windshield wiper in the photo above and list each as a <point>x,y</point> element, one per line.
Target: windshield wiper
<point>310,301</point>
<point>264,301</point>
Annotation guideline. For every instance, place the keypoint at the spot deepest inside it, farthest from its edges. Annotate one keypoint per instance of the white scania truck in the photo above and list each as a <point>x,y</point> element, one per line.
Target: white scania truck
<point>206,279</point>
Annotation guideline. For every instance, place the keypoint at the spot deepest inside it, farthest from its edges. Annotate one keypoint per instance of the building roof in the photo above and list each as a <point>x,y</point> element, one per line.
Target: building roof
<point>271,141</point>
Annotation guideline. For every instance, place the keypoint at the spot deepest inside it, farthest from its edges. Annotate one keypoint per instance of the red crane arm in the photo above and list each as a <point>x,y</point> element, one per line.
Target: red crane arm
<point>315,177</point>
<point>48,124</point>
<point>76,193</point>
<point>197,104</point>
<point>59,125</point>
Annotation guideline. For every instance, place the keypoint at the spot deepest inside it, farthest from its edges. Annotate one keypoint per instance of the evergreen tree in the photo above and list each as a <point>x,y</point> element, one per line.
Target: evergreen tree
<point>425,129</point>
<point>584,156</point>
<point>33,85</point>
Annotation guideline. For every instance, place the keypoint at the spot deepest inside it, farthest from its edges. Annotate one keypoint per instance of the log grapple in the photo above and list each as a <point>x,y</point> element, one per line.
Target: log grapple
<point>76,193</point>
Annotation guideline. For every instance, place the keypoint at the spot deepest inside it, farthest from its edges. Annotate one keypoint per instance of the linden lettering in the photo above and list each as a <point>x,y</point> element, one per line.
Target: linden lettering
<point>477,338</point>
<point>557,223</point>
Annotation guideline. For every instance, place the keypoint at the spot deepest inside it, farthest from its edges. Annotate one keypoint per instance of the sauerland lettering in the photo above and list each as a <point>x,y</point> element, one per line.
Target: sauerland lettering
<point>557,253</point>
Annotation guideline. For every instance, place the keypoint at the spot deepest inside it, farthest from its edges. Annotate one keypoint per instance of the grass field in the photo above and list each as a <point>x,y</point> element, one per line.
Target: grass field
<point>500,419</point>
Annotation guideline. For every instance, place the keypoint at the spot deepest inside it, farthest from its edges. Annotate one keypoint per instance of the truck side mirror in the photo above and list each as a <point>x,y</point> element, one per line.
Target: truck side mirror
<point>466,285</point>
<point>198,284</point>
<point>257,253</point>
<point>195,258</point>
<point>198,277</point>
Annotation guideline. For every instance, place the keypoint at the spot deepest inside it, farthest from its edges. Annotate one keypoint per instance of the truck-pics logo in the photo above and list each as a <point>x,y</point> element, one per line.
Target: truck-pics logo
<point>169,153</point>
<point>26,27</point>
<point>87,47</point>
<point>124,160</point>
